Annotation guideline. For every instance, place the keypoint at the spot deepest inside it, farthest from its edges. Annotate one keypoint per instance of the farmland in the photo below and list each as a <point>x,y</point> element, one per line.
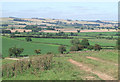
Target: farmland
<point>46,44</point>
<point>59,50</point>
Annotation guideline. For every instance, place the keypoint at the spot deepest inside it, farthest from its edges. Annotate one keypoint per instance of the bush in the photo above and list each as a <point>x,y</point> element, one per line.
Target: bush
<point>28,39</point>
<point>85,43</point>
<point>90,47</point>
<point>74,48</point>
<point>75,41</point>
<point>15,51</point>
<point>34,65</point>
<point>49,52</point>
<point>37,51</point>
<point>80,47</point>
<point>61,49</point>
<point>97,47</point>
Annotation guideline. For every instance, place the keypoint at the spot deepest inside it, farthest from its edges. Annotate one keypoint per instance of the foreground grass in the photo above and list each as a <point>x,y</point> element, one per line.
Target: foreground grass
<point>62,69</point>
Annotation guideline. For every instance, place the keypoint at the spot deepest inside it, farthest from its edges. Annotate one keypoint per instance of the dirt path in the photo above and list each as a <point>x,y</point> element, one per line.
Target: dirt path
<point>17,58</point>
<point>12,58</point>
<point>97,59</point>
<point>85,68</point>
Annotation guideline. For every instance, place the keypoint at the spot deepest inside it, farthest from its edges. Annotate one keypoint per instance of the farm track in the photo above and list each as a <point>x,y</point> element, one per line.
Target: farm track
<point>101,75</point>
<point>97,59</point>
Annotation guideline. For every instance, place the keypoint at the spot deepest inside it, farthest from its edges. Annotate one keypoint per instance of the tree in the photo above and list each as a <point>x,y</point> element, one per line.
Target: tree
<point>15,51</point>
<point>80,47</point>
<point>75,41</point>
<point>61,49</point>
<point>97,47</point>
<point>85,43</point>
<point>90,47</point>
<point>37,51</point>
<point>78,31</point>
<point>28,39</point>
<point>74,48</point>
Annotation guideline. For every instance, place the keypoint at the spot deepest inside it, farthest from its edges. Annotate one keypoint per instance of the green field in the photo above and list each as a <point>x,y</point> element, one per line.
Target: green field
<point>45,44</point>
<point>28,46</point>
<point>102,42</point>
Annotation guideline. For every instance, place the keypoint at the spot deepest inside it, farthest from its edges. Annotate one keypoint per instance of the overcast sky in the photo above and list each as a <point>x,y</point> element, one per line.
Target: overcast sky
<point>62,10</point>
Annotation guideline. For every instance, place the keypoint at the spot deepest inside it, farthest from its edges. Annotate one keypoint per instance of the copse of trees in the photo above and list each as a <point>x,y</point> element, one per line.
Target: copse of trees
<point>75,41</point>
<point>77,45</point>
<point>85,43</point>
<point>14,51</point>
<point>62,49</point>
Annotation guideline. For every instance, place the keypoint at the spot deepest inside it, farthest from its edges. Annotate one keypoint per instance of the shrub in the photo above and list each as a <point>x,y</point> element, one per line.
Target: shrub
<point>80,47</point>
<point>85,43</point>
<point>15,51</point>
<point>35,64</point>
<point>75,41</point>
<point>37,51</point>
<point>97,47</point>
<point>90,47</point>
<point>74,48</point>
<point>49,52</point>
<point>28,39</point>
<point>61,49</point>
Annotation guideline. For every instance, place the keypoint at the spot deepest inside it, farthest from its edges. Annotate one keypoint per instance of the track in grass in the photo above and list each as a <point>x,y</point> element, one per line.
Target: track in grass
<point>103,76</point>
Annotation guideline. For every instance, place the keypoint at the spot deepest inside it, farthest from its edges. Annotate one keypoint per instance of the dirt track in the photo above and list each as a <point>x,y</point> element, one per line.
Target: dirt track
<point>85,68</point>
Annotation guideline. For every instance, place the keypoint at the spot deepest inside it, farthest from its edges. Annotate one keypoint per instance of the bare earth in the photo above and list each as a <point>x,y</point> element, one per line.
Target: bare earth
<point>87,69</point>
<point>12,58</point>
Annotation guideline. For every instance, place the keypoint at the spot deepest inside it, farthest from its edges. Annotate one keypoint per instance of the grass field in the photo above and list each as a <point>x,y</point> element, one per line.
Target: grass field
<point>28,46</point>
<point>102,42</point>
<point>45,44</point>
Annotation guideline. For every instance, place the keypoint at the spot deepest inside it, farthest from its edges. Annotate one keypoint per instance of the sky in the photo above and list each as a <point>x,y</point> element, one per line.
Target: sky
<point>62,10</point>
